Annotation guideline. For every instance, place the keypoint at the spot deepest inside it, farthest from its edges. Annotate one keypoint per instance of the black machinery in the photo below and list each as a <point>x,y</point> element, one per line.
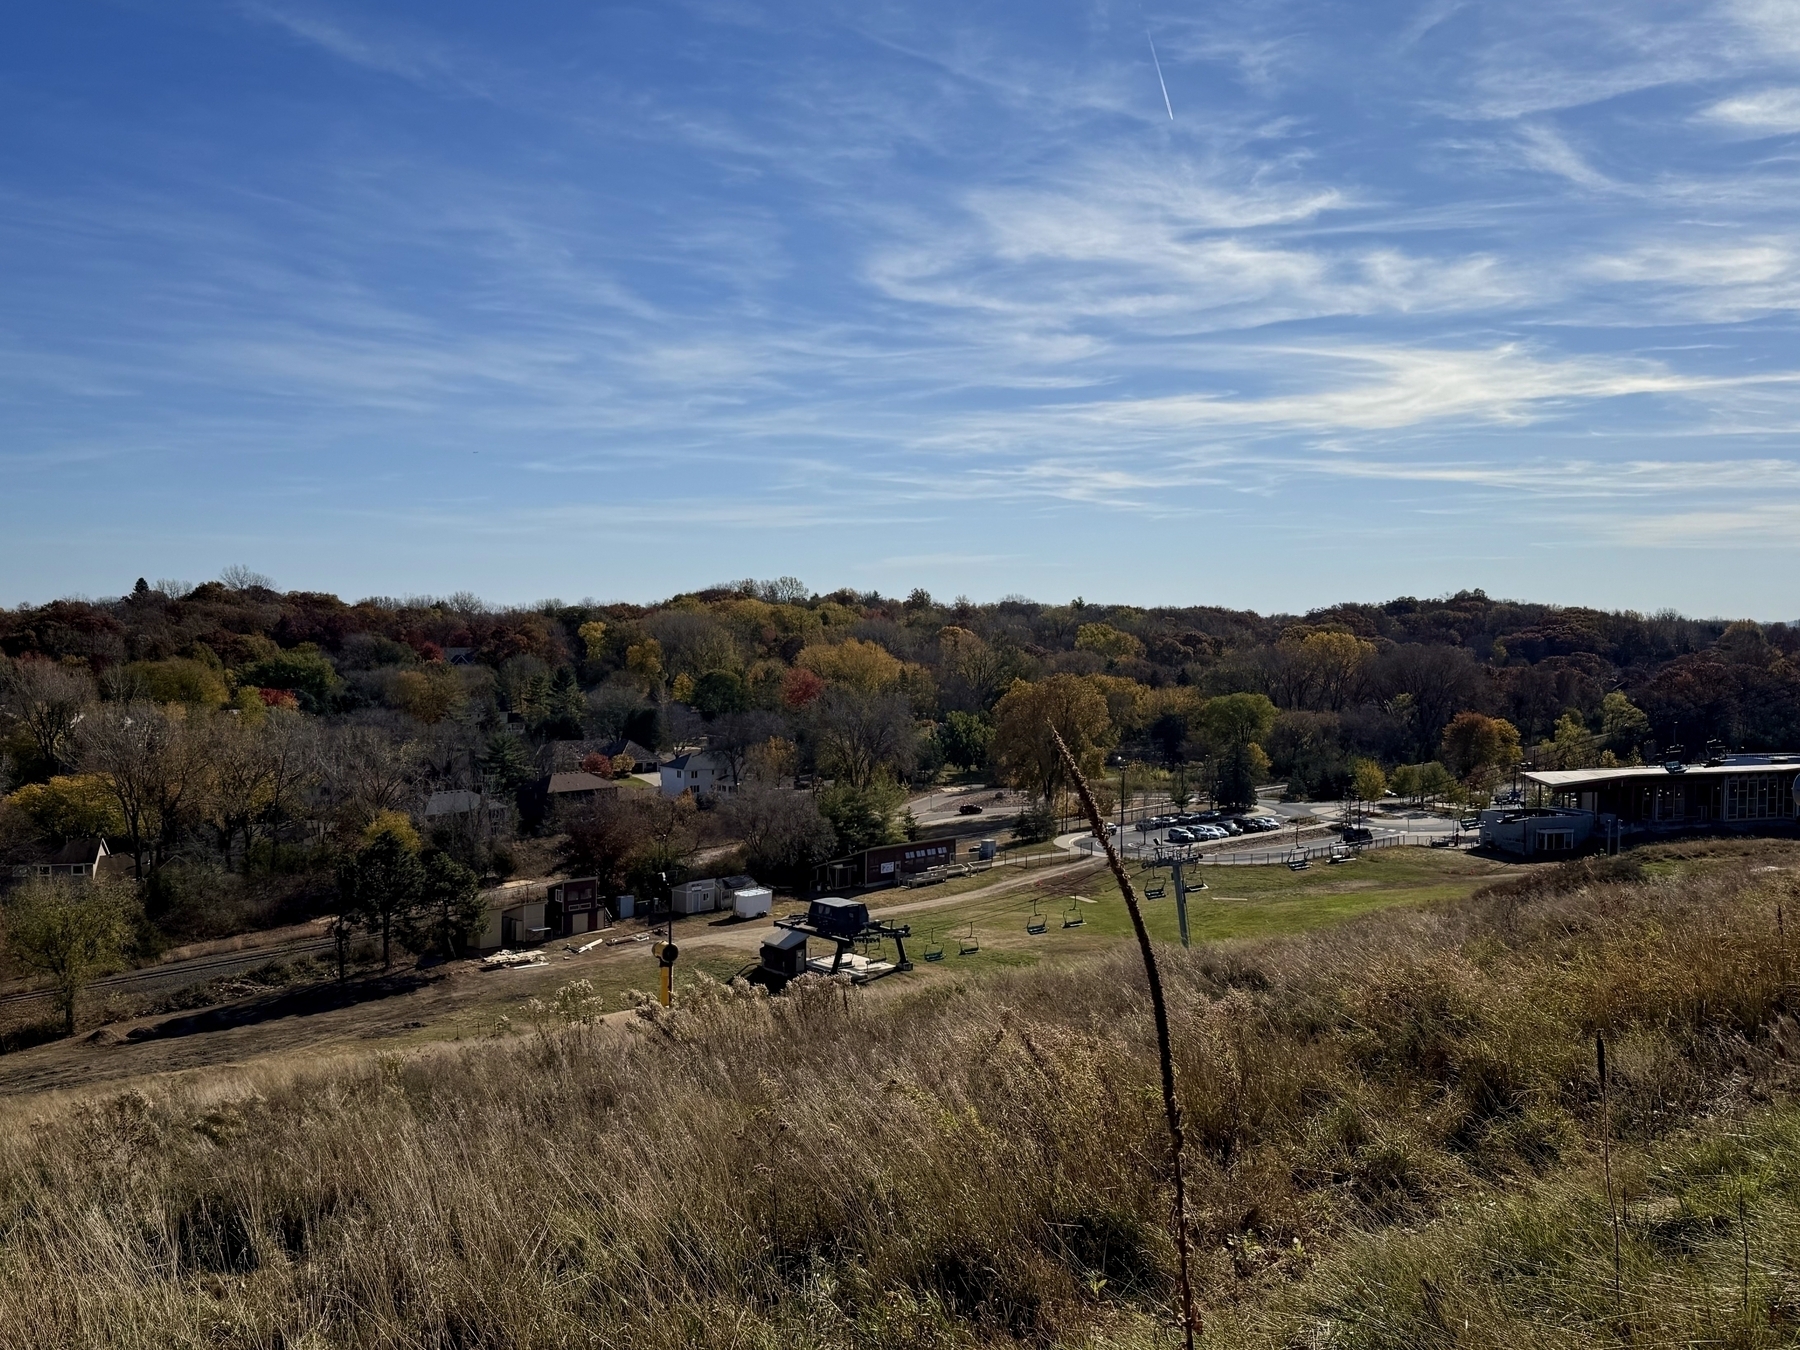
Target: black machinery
<point>844,924</point>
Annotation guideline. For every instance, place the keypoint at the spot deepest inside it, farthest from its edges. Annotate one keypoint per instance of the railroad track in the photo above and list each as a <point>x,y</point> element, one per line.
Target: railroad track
<point>192,971</point>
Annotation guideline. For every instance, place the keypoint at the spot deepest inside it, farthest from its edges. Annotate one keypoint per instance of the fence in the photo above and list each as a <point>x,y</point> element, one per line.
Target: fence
<point>1312,851</point>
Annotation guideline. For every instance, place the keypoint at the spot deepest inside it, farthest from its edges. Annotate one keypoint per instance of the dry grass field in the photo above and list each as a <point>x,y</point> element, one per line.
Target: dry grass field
<point>1394,1126</point>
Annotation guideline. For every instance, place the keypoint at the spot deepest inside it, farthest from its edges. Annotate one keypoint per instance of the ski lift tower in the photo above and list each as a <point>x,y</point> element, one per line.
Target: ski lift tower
<point>844,923</point>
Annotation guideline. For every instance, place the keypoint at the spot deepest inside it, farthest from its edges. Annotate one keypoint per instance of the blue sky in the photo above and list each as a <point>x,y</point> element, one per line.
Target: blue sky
<point>607,300</point>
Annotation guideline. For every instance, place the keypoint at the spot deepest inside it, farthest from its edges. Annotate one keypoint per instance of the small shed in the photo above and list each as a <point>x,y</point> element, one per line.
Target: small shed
<point>784,954</point>
<point>695,897</point>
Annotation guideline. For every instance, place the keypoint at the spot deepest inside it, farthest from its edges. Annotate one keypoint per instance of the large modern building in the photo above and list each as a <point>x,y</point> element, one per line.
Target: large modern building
<point>1752,793</point>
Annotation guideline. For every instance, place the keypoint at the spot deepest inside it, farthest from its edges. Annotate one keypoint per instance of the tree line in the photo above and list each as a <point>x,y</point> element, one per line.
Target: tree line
<point>238,742</point>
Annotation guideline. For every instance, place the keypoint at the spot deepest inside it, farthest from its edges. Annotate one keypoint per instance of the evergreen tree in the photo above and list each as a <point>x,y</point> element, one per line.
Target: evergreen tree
<point>505,764</point>
<point>451,910</point>
<point>382,887</point>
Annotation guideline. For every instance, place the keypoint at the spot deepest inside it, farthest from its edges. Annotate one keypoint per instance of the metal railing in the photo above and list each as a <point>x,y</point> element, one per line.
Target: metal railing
<point>1312,851</point>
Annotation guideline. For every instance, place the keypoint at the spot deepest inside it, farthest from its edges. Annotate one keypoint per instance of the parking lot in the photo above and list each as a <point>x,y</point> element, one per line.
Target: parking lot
<point>1270,831</point>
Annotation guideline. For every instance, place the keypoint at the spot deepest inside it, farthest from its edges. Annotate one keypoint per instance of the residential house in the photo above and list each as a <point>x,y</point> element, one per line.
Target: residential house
<point>463,806</point>
<point>556,792</point>
<point>83,859</point>
<point>700,772</point>
<point>642,760</point>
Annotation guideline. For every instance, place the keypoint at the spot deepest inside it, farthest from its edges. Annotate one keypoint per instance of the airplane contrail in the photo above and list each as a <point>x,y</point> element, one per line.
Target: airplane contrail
<point>1159,75</point>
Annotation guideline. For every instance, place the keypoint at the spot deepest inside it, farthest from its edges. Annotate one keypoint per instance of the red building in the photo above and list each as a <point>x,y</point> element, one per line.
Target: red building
<point>574,907</point>
<point>885,864</point>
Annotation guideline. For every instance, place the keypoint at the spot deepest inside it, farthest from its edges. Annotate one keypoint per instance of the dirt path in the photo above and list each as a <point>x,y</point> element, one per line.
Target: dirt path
<point>748,937</point>
<point>450,1002</point>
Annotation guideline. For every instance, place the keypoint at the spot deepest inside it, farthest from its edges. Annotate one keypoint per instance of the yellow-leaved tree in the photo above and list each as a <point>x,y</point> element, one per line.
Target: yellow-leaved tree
<point>865,666</point>
<point>1023,746</point>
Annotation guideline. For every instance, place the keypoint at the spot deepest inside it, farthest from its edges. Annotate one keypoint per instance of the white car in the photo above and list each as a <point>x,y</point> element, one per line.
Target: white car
<point>1209,832</point>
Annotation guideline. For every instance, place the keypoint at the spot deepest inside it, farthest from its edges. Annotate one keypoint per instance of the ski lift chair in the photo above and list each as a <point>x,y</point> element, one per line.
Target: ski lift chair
<point>966,945</point>
<point>1072,917</point>
<point>1036,923</point>
<point>934,949</point>
<point>1298,861</point>
<point>1156,892</point>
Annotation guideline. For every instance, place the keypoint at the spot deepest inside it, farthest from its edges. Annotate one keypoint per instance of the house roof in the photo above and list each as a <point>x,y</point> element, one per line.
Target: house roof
<point>88,851</point>
<point>622,746</point>
<point>558,783</point>
<point>697,758</point>
<point>453,801</point>
<point>785,940</point>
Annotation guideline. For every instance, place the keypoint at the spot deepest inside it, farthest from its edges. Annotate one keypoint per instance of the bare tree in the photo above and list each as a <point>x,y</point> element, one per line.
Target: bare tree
<point>1429,685</point>
<point>290,741</point>
<point>47,701</point>
<point>784,835</point>
<point>367,771</point>
<point>255,770</point>
<point>153,761</point>
<point>858,734</point>
<point>241,578</point>
<point>735,735</point>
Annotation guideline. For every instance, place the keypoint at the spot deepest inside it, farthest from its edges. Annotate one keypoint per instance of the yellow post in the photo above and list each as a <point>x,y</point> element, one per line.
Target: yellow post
<point>665,954</point>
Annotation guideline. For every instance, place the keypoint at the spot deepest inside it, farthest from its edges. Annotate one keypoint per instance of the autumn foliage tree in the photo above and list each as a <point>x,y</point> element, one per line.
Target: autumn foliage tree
<point>1233,728</point>
<point>1475,742</point>
<point>69,931</point>
<point>1023,745</point>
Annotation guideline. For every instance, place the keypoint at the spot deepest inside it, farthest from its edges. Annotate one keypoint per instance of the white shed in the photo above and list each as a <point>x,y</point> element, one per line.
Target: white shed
<point>695,897</point>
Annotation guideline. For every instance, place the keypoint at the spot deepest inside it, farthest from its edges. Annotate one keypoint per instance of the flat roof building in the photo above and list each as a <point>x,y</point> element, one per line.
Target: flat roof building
<point>1746,792</point>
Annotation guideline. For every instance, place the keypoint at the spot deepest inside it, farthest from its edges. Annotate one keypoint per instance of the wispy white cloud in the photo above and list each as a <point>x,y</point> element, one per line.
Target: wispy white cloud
<point>1543,147</point>
<point>1765,112</point>
<point>851,267</point>
<point>1368,389</point>
<point>1562,479</point>
<point>1757,524</point>
<point>419,58</point>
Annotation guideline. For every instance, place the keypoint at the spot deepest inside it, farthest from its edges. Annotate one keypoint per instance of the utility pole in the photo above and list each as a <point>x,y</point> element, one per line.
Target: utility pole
<point>1181,897</point>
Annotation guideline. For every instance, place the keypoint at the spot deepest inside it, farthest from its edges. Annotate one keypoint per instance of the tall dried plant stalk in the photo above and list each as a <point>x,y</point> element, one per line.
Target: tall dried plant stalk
<point>1190,1322</point>
<point>1612,1211</point>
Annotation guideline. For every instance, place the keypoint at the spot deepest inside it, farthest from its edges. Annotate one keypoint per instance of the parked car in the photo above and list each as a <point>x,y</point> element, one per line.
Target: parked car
<point>1181,834</point>
<point>1264,823</point>
<point>969,809</point>
<point>1230,826</point>
<point>1209,832</point>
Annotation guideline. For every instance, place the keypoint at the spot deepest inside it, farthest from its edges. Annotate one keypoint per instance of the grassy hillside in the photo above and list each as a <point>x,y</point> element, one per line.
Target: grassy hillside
<point>1394,1128</point>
